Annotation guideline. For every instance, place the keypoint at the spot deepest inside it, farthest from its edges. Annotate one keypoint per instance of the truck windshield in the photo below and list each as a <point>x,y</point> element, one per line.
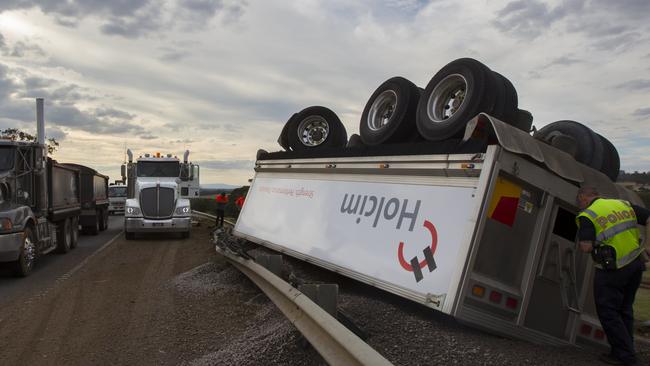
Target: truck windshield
<point>116,191</point>
<point>7,157</point>
<point>159,169</point>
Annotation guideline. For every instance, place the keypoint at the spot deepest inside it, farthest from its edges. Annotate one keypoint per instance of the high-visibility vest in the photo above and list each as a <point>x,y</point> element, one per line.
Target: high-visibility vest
<point>615,224</point>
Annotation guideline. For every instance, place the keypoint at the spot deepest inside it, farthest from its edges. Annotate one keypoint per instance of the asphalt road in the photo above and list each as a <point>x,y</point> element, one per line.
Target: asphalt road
<point>52,267</point>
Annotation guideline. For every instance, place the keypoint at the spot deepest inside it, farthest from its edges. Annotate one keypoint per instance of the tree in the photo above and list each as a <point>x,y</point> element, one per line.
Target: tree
<point>16,134</point>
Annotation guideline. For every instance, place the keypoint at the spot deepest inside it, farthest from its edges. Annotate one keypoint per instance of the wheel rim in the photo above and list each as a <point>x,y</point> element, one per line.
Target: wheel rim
<point>447,98</point>
<point>313,131</point>
<point>29,253</point>
<point>382,110</point>
<point>75,232</point>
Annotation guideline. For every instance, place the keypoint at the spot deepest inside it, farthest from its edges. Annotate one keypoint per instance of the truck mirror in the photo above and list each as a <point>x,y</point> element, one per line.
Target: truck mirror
<point>123,170</point>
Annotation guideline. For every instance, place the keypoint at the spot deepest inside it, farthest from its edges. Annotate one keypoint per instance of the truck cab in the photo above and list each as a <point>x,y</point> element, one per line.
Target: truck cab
<point>155,202</point>
<point>116,198</point>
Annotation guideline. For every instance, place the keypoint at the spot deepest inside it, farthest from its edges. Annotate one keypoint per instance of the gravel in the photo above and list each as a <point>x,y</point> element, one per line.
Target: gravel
<point>407,333</point>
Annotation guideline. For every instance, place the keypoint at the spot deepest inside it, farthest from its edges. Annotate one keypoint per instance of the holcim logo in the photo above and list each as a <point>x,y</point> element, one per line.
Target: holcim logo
<point>391,209</point>
<point>381,208</point>
<point>415,265</point>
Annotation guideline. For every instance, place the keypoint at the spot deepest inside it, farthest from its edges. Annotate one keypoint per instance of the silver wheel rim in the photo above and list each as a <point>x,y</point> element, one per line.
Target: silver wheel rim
<point>75,231</point>
<point>313,131</point>
<point>29,253</point>
<point>447,98</point>
<point>381,111</point>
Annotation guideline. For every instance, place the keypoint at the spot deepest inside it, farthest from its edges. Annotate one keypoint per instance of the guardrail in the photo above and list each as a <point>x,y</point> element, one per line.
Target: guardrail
<point>337,344</point>
<point>208,216</point>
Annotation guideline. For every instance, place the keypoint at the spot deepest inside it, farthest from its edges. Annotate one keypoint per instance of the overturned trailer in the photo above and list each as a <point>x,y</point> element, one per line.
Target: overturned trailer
<point>482,232</point>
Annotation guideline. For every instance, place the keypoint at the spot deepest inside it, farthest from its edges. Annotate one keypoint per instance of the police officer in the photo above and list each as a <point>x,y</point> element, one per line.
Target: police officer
<point>608,230</point>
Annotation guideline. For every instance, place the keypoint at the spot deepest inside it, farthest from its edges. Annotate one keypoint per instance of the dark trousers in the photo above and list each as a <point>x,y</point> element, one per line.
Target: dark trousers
<point>614,293</point>
<point>220,214</point>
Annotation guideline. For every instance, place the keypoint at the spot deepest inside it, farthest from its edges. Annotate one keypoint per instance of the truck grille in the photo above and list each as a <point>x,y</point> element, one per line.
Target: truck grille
<point>157,202</point>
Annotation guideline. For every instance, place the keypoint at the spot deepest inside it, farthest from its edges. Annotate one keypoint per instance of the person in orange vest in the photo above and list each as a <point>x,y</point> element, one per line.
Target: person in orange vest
<point>221,199</point>
<point>240,202</point>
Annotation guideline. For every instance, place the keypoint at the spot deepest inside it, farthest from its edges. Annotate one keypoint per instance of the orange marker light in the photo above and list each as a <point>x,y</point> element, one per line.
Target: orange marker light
<point>478,291</point>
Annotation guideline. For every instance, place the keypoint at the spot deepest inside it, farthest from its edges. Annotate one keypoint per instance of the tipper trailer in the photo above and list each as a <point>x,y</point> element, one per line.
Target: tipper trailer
<point>484,234</point>
<point>94,199</point>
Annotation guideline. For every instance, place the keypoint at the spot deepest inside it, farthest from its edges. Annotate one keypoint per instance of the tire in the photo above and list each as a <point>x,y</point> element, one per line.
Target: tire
<point>389,115</point>
<point>355,141</point>
<point>283,139</point>
<point>506,104</point>
<point>129,235</point>
<point>524,120</point>
<point>103,220</point>
<point>458,92</point>
<point>27,257</point>
<point>315,127</point>
<point>75,231</point>
<point>611,160</point>
<point>94,230</point>
<point>589,149</point>
<point>64,236</point>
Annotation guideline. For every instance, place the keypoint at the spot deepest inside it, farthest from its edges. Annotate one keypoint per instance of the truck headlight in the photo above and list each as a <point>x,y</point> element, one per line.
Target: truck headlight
<point>183,211</point>
<point>132,211</point>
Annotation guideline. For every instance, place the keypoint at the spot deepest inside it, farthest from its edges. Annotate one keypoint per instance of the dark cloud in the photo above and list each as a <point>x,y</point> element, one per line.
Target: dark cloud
<point>635,85</point>
<point>133,18</point>
<point>148,137</point>
<point>563,61</point>
<point>227,164</point>
<point>641,112</point>
<point>113,113</point>
<point>173,55</point>
<point>22,49</point>
<point>528,19</point>
<point>17,91</point>
<point>612,25</point>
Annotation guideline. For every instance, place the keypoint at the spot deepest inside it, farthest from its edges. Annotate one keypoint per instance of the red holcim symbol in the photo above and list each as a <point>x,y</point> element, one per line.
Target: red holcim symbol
<point>434,243</point>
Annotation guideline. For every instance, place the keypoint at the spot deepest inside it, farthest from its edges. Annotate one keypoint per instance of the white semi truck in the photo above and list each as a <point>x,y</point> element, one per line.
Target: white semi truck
<point>156,200</point>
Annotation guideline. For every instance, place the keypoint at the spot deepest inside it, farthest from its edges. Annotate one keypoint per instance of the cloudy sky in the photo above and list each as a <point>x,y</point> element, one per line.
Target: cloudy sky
<point>220,77</point>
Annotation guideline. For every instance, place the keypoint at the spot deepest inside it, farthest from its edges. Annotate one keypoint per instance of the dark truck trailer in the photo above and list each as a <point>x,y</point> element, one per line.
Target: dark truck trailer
<point>40,202</point>
<point>94,199</point>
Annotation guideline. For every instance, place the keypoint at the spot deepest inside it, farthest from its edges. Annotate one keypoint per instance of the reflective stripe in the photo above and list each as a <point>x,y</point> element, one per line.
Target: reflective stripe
<point>590,213</point>
<point>628,258</point>
<point>616,229</point>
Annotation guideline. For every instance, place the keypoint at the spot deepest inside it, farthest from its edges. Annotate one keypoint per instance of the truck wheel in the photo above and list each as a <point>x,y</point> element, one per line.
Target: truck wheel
<point>315,127</point>
<point>64,236</point>
<point>102,218</point>
<point>611,160</point>
<point>129,235</point>
<point>524,120</point>
<point>94,230</point>
<point>355,141</point>
<point>75,232</point>
<point>507,101</point>
<point>589,147</point>
<point>458,92</point>
<point>389,114</point>
<point>283,139</point>
<point>25,263</point>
